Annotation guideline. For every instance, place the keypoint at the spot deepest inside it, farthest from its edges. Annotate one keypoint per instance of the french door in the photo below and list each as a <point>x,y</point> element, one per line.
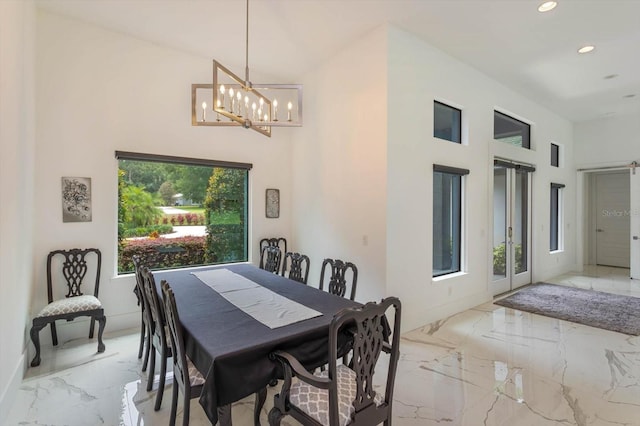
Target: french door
<point>511,226</point>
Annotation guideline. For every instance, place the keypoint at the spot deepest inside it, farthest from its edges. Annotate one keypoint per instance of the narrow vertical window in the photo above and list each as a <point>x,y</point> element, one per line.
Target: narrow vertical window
<point>509,130</point>
<point>447,219</point>
<point>447,123</point>
<point>555,227</point>
<point>555,155</point>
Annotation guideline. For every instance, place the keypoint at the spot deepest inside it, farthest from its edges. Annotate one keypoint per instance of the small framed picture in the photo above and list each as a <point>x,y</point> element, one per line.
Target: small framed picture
<point>272,205</point>
<point>76,199</point>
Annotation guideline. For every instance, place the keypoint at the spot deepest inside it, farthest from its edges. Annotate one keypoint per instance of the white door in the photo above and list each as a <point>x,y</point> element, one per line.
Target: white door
<point>612,219</point>
<point>634,183</point>
<point>511,228</point>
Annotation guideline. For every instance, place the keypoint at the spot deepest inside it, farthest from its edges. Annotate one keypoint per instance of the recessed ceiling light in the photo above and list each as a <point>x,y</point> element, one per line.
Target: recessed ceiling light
<point>610,76</point>
<point>586,49</point>
<point>547,6</point>
<point>631,95</point>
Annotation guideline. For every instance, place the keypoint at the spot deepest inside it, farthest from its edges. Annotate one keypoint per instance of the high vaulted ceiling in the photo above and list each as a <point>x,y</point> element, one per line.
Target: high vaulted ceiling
<point>533,53</point>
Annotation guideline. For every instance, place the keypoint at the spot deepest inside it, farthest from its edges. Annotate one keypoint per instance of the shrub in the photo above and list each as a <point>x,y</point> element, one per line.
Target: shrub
<point>144,231</point>
<point>180,219</point>
<point>163,253</point>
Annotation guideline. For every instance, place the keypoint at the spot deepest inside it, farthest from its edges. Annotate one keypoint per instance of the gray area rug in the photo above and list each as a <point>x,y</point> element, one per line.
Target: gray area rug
<point>593,308</point>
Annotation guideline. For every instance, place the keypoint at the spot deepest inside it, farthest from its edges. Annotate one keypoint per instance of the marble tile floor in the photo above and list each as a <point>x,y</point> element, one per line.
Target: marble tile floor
<point>485,366</point>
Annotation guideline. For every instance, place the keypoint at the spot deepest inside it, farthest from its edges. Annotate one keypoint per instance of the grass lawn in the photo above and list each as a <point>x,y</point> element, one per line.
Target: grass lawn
<point>191,209</point>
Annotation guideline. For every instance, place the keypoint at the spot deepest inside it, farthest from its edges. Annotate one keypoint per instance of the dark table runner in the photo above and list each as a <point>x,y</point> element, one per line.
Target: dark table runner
<point>231,348</point>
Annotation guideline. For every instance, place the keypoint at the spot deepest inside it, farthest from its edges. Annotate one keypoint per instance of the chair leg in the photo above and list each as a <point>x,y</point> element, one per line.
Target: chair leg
<point>91,327</point>
<point>174,405</point>
<point>35,338</point>
<point>102,321</point>
<point>147,349</point>
<point>142,333</point>
<point>186,408</point>
<point>54,333</point>
<point>152,368</point>
<point>275,417</point>
<point>224,415</point>
<point>261,397</point>
<point>163,375</point>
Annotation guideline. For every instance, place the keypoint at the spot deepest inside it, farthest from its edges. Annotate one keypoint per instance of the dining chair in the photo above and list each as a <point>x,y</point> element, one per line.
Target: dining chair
<point>270,259</point>
<point>145,319</point>
<point>74,265</point>
<point>160,341</point>
<point>280,242</point>
<point>344,394</point>
<point>186,377</point>
<point>338,279</point>
<point>298,269</point>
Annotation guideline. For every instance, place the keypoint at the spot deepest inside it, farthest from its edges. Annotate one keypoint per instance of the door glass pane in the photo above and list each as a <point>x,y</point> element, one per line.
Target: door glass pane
<point>499,223</point>
<point>521,221</point>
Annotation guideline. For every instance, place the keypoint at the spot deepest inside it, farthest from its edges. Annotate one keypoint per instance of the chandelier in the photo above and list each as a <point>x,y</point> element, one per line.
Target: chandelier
<point>233,101</point>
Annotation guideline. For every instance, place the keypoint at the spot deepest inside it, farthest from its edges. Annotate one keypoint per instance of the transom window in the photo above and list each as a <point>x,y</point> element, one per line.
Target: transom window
<point>555,155</point>
<point>509,130</point>
<point>177,212</point>
<point>447,122</point>
<point>556,217</point>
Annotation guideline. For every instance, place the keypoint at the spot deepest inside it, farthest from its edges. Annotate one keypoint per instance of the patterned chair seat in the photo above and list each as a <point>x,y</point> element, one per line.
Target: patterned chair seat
<point>195,376</point>
<point>70,305</point>
<point>315,401</point>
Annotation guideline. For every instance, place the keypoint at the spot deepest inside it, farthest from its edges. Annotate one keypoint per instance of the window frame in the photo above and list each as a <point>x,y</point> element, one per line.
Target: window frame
<point>556,236</point>
<point>555,156</point>
<point>457,247</point>
<point>187,161</point>
<point>459,127</point>
<point>525,142</point>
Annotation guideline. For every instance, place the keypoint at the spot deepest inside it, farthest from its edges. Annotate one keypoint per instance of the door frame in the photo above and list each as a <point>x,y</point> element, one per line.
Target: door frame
<point>512,280</point>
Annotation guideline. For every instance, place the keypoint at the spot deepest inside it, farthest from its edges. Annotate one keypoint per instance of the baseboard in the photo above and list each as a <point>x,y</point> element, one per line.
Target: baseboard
<point>8,395</point>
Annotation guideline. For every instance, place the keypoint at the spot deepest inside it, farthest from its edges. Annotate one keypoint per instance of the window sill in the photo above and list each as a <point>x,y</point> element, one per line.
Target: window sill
<point>448,276</point>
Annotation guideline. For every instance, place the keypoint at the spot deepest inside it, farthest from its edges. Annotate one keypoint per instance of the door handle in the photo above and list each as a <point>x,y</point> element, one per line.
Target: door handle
<point>599,230</point>
<point>510,232</point>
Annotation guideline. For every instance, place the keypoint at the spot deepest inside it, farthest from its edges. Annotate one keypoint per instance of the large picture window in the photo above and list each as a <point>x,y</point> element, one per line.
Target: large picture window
<point>177,212</point>
<point>447,219</point>
<point>509,130</point>
<point>556,217</point>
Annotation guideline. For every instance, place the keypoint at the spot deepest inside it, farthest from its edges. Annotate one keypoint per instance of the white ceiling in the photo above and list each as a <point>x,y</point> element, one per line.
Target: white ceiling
<point>509,40</point>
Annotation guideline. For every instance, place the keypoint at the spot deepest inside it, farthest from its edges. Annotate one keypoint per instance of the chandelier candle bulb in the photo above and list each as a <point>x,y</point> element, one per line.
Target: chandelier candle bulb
<point>221,96</point>
<point>239,104</point>
<point>204,111</point>
<point>275,110</point>
<point>253,107</point>
<point>233,99</point>
<point>289,107</point>
<point>218,114</point>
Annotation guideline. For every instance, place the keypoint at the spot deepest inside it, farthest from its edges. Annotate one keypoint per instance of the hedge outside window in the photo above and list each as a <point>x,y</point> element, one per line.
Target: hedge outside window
<point>447,219</point>
<point>177,212</point>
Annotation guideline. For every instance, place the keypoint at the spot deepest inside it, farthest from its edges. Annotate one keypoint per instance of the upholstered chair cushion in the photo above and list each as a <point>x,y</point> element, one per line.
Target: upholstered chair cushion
<point>315,401</point>
<point>195,376</point>
<point>70,305</point>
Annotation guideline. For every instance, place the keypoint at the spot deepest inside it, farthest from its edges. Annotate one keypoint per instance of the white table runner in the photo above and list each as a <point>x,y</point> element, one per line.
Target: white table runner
<point>266,306</point>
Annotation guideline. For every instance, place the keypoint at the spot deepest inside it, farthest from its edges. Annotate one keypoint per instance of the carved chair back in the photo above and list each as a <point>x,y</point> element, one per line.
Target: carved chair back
<point>280,242</point>
<point>156,310</point>
<point>369,326</point>
<point>298,266</point>
<point>338,279</point>
<point>180,365</point>
<point>270,259</point>
<point>74,269</point>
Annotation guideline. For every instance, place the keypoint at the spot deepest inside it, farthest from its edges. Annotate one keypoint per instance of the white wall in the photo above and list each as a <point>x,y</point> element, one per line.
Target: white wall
<point>100,91</point>
<point>417,75</point>
<point>607,141</point>
<point>17,37</point>
<point>339,165</point>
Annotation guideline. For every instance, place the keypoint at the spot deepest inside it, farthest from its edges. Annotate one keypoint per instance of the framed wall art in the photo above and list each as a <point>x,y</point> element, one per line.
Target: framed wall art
<point>76,199</point>
<point>272,207</point>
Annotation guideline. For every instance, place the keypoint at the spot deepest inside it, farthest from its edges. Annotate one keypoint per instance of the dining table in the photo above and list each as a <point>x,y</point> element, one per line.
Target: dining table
<point>235,315</point>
